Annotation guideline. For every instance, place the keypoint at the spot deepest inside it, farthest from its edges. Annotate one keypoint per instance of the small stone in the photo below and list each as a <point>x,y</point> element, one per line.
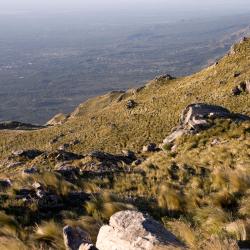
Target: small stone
<point>243,86</point>
<point>5,183</point>
<point>30,171</point>
<point>150,148</point>
<point>37,185</point>
<point>131,104</point>
<point>64,147</point>
<point>215,142</point>
<point>237,74</point>
<point>75,238</point>
<point>164,77</point>
<point>236,91</point>
<point>128,153</point>
<point>137,162</point>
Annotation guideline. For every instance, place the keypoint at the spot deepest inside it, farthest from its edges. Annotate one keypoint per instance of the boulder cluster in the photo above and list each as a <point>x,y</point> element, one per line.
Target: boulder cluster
<point>127,230</point>
<point>199,116</point>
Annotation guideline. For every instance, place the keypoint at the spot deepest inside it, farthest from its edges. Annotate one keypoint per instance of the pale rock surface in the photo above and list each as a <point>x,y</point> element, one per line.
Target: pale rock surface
<point>131,230</point>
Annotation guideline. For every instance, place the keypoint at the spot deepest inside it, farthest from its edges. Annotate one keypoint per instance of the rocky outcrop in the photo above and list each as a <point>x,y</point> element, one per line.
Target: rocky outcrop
<point>131,230</point>
<point>243,87</point>
<point>99,162</point>
<point>28,154</point>
<point>131,104</point>
<point>199,116</point>
<point>14,125</point>
<point>151,147</point>
<point>77,239</point>
<point>57,120</point>
<point>164,77</point>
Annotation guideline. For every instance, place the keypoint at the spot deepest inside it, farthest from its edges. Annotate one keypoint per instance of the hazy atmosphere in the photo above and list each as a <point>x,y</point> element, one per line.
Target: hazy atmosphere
<point>56,54</point>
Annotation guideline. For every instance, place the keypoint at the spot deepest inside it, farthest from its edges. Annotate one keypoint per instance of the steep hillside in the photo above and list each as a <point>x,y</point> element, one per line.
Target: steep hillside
<point>104,158</point>
<point>106,123</point>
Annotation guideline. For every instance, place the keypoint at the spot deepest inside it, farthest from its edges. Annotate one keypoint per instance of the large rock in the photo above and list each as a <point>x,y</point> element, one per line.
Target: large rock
<point>199,116</point>
<point>77,239</point>
<point>131,230</point>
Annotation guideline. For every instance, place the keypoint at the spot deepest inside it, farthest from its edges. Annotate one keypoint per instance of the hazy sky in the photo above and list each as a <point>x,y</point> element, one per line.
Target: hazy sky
<point>20,5</point>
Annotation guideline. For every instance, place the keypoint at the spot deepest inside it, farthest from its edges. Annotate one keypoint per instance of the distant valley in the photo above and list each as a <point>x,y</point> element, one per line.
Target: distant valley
<point>44,73</point>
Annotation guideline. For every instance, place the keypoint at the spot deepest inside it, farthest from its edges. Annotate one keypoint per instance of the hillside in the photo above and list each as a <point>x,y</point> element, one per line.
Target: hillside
<point>104,157</point>
<point>106,123</point>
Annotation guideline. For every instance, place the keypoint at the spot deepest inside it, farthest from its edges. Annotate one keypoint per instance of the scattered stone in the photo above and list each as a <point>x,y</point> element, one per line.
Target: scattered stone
<point>237,74</point>
<point>164,77</point>
<point>68,172</point>
<point>150,148</point>
<point>243,86</point>
<point>30,171</point>
<point>243,39</point>
<point>64,147</point>
<point>57,120</point>
<point>25,193</point>
<point>106,157</point>
<point>199,116</point>
<point>30,154</point>
<point>62,155</point>
<point>40,193</point>
<point>5,183</point>
<point>236,91</point>
<point>137,162</point>
<point>75,238</point>
<point>48,201</point>
<point>131,230</point>
<point>131,104</point>
<point>215,142</point>
<point>75,142</point>
<point>129,154</point>
<point>37,185</point>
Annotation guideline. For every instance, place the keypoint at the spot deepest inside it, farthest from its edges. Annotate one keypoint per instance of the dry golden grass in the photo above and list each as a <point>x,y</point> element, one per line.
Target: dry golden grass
<point>202,187</point>
<point>105,123</point>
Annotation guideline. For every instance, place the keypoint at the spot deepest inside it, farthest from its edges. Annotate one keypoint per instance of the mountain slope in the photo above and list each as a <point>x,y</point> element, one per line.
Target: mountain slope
<point>105,123</point>
<point>197,185</point>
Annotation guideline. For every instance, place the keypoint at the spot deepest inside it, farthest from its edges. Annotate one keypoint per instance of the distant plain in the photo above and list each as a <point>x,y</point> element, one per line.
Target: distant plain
<point>48,66</point>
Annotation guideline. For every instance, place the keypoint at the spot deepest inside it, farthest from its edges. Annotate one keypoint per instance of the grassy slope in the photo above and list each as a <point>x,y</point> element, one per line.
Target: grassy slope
<point>104,123</point>
<point>198,191</point>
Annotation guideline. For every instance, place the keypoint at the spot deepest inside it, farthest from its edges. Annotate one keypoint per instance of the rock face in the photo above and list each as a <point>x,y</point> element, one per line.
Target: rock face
<point>131,230</point>
<point>76,239</point>
<point>14,125</point>
<point>199,116</point>
<point>57,120</point>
